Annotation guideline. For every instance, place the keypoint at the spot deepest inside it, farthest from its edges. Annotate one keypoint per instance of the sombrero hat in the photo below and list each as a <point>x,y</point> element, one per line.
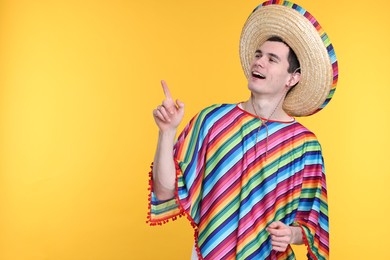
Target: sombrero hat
<point>301,31</point>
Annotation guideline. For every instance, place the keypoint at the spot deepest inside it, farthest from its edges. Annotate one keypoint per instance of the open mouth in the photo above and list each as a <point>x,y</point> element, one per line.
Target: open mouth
<point>258,75</point>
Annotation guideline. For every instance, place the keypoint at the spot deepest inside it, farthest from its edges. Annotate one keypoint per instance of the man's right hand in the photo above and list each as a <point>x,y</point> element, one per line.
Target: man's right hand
<point>168,117</point>
<point>169,114</point>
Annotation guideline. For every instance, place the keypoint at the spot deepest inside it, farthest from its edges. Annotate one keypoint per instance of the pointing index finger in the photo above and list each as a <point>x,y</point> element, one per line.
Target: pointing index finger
<point>167,93</point>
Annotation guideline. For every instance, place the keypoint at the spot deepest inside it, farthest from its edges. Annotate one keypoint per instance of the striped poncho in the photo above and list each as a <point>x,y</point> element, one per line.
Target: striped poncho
<point>233,180</point>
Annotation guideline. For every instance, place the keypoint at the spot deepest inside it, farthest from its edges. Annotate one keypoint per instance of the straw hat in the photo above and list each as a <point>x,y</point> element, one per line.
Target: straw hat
<point>300,30</point>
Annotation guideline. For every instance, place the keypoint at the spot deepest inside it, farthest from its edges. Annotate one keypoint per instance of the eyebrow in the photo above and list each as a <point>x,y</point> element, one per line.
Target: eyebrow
<point>269,54</point>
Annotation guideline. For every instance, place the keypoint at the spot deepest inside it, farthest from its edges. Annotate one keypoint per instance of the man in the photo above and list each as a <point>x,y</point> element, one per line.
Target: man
<point>248,176</point>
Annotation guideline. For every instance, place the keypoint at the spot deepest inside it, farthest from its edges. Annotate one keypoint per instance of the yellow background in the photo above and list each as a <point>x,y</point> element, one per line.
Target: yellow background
<point>78,82</point>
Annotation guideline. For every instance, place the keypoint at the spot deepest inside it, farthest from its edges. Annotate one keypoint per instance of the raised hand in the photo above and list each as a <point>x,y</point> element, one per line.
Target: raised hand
<point>169,114</point>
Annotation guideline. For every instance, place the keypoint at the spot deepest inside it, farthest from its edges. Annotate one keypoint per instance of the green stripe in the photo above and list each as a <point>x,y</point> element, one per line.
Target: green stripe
<point>269,170</point>
<point>163,207</point>
<point>219,218</point>
<point>194,133</point>
<point>287,209</point>
<point>227,146</point>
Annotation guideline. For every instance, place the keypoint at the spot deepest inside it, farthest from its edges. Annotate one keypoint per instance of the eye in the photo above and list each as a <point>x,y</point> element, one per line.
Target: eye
<point>273,60</point>
<point>257,54</point>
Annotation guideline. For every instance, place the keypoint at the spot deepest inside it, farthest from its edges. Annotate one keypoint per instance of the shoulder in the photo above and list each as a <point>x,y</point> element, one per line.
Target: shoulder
<point>206,118</point>
<point>215,111</point>
<point>309,139</point>
<point>218,108</point>
<point>303,130</point>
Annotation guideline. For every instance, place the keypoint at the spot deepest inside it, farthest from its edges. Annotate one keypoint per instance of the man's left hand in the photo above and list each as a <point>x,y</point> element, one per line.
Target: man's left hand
<point>281,235</point>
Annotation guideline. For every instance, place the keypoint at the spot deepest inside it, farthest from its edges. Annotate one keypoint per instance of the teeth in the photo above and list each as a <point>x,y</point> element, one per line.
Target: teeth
<point>257,74</point>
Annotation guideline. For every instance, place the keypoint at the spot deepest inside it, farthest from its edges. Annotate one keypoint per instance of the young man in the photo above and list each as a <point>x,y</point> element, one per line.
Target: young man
<point>248,176</point>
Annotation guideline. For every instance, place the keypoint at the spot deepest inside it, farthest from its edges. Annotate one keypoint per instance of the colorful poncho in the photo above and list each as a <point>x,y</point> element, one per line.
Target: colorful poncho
<point>231,188</point>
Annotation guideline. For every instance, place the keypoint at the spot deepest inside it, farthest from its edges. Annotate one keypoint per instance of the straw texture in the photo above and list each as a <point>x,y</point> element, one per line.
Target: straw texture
<point>300,30</point>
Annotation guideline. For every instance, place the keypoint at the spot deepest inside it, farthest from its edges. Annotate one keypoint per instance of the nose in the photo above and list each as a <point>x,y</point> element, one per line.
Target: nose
<point>259,61</point>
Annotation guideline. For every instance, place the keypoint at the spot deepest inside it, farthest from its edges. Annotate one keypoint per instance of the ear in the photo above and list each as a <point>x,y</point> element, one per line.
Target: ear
<point>294,79</point>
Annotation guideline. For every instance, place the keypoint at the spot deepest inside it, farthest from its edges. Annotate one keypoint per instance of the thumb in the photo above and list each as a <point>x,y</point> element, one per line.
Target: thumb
<point>275,225</point>
<point>180,105</point>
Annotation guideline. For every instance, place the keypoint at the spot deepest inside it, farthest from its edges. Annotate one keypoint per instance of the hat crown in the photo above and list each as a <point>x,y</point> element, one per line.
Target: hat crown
<point>302,32</point>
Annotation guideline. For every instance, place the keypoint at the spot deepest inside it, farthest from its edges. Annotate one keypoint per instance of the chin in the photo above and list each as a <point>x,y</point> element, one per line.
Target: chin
<point>253,88</point>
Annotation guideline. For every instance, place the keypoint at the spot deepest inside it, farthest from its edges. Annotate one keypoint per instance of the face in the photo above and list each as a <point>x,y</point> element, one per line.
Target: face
<point>269,70</point>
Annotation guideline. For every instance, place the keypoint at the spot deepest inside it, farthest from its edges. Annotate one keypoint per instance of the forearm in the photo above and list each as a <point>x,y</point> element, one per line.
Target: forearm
<point>164,170</point>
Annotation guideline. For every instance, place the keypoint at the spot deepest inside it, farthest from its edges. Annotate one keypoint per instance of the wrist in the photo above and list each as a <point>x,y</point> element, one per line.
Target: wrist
<point>292,238</point>
<point>296,235</point>
<point>167,133</point>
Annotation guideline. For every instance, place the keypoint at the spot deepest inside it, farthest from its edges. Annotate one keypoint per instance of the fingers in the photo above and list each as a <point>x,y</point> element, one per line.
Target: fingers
<point>277,228</point>
<point>279,246</point>
<point>169,105</point>
<point>168,101</point>
<point>280,243</point>
<point>167,93</point>
<point>276,225</point>
<point>169,114</point>
<point>161,113</point>
<point>281,239</point>
<point>280,234</point>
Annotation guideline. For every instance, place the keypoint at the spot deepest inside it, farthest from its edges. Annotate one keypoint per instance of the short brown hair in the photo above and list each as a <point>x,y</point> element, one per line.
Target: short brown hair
<point>293,61</point>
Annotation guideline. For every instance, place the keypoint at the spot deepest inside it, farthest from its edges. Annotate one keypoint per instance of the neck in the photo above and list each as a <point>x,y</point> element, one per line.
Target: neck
<point>267,109</point>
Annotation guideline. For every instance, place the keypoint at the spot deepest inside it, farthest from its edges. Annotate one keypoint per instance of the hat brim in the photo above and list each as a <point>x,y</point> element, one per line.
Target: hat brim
<point>310,44</point>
